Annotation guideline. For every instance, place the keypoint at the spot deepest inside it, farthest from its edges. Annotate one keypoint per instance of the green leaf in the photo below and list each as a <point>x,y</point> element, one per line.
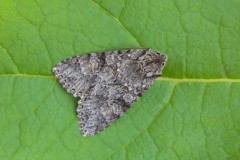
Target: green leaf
<point>192,112</point>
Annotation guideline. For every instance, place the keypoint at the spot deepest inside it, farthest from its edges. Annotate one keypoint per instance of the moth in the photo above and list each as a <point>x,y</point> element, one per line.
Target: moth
<point>108,83</point>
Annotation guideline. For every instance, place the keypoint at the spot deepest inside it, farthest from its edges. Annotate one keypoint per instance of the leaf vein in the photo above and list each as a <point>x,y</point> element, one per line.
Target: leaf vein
<point>35,108</point>
<point>118,21</point>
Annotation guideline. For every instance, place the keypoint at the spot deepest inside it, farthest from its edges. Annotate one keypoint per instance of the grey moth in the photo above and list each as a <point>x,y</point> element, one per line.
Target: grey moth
<point>108,83</point>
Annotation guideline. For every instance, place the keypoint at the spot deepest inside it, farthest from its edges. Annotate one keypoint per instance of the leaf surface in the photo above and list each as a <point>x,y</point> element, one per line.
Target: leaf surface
<point>192,112</point>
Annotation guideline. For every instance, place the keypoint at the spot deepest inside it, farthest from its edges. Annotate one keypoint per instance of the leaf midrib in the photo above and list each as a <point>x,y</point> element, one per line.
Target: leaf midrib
<point>174,80</point>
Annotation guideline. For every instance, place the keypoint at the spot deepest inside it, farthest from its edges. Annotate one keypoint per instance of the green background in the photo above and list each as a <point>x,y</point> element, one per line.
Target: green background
<point>192,112</point>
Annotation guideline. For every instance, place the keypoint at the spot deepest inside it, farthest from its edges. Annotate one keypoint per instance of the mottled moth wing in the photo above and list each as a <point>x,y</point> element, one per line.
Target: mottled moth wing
<point>108,83</point>
<point>76,74</point>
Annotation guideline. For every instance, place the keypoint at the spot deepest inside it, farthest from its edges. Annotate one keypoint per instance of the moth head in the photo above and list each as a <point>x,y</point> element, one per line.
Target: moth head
<point>154,63</point>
